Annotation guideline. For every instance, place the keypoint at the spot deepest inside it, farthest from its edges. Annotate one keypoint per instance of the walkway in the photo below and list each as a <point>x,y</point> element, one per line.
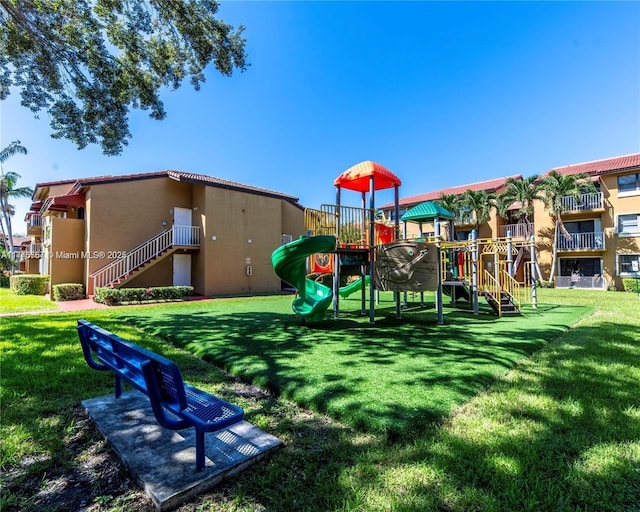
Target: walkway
<point>80,305</point>
<point>88,304</point>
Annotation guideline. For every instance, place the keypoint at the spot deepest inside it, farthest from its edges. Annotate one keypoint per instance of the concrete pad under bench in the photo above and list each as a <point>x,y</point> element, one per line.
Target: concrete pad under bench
<point>162,461</point>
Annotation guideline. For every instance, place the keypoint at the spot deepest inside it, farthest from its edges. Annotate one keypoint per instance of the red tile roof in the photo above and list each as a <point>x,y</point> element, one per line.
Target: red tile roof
<point>232,185</point>
<point>79,183</point>
<point>488,185</point>
<point>604,166</point>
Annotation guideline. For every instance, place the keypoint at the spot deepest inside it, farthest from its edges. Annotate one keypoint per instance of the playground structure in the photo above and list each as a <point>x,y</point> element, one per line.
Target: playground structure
<point>352,242</point>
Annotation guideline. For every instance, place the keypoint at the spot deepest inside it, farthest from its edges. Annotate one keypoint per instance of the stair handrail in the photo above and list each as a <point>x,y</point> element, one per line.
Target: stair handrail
<point>491,287</point>
<point>511,287</point>
<point>120,267</point>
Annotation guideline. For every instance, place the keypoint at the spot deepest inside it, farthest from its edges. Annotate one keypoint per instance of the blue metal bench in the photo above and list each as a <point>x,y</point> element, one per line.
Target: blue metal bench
<point>176,405</point>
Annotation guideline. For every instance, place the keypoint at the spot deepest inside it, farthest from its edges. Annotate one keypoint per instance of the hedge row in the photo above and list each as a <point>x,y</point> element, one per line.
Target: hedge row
<point>68,291</point>
<point>4,281</point>
<point>629,284</point>
<point>112,296</point>
<point>29,284</point>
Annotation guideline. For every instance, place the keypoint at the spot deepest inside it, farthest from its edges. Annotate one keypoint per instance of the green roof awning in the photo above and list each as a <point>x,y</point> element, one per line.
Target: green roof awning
<point>426,211</point>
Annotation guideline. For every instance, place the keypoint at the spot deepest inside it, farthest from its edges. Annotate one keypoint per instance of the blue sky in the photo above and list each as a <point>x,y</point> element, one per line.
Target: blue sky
<point>442,94</point>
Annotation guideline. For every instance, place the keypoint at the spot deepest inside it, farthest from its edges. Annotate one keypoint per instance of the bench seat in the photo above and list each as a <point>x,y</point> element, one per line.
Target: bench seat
<point>175,404</point>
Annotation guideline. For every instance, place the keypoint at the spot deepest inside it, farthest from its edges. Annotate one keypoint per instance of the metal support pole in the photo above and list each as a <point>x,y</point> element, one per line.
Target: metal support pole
<point>439,270</point>
<point>372,205</point>
<point>396,200</point>
<point>534,291</point>
<point>336,261</point>
<point>509,254</point>
<point>363,270</point>
<point>404,236</point>
<point>474,271</point>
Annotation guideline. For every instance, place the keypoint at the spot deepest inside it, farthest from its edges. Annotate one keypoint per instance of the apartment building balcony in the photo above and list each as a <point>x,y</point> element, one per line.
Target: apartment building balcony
<point>582,282</point>
<point>585,203</point>
<point>31,251</point>
<point>581,242</point>
<point>466,219</point>
<point>34,250</point>
<point>34,224</point>
<point>520,230</point>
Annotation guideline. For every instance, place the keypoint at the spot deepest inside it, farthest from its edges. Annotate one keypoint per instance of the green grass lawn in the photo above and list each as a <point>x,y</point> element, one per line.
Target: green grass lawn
<point>478,414</point>
<point>396,376</point>
<point>12,303</point>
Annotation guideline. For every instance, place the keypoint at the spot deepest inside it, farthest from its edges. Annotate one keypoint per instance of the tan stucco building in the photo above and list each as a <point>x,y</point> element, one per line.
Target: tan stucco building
<point>603,242</point>
<point>160,229</point>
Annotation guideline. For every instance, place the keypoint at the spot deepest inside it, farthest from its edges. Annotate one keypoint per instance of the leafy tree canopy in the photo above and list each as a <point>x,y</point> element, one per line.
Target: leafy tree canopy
<point>523,191</point>
<point>87,62</point>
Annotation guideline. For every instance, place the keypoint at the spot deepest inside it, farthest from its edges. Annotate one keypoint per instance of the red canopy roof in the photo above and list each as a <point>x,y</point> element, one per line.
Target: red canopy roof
<point>358,177</point>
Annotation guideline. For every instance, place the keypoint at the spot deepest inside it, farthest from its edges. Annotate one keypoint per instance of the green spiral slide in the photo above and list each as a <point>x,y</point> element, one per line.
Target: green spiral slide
<point>290,264</point>
<point>356,286</point>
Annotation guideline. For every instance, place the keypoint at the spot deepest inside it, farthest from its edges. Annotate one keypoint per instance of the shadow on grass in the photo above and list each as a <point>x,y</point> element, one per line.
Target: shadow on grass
<point>539,451</point>
<point>567,431</point>
<point>398,377</point>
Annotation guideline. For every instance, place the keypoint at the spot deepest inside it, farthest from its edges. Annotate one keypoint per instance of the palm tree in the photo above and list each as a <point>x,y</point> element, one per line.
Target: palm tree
<point>8,190</point>
<point>480,202</point>
<point>450,202</point>
<point>523,192</point>
<point>555,187</point>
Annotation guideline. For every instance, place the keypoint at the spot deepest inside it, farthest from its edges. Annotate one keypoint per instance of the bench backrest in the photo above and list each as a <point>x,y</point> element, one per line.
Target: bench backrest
<point>128,360</point>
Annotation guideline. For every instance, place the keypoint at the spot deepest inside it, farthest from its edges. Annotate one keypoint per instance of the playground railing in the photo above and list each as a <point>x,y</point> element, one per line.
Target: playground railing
<point>349,224</point>
<point>318,222</point>
<point>491,286</point>
<point>512,287</point>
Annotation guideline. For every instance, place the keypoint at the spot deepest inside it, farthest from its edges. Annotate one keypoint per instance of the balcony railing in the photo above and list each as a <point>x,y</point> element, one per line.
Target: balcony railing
<point>584,202</point>
<point>584,282</point>
<point>30,252</point>
<point>517,230</point>
<point>35,221</point>
<point>465,218</point>
<point>581,242</point>
<point>34,251</point>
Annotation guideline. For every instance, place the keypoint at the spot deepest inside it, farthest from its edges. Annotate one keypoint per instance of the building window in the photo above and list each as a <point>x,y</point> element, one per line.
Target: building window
<point>587,267</point>
<point>392,213</point>
<point>629,183</point>
<point>629,224</point>
<point>626,264</point>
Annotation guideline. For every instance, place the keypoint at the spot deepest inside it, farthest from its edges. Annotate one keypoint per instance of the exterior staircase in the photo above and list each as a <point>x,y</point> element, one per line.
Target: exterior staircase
<point>144,256</point>
<point>503,294</point>
<point>502,306</point>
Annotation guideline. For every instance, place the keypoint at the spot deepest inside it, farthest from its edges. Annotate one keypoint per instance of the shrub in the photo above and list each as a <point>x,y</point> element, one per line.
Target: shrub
<point>68,291</point>
<point>29,284</point>
<point>112,296</point>
<point>108,296</point>
<point>4,281</point>
<point>629,284</point>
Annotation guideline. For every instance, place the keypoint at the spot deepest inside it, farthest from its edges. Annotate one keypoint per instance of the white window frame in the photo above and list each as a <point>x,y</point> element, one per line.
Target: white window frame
<point>628,233</point>
<point>629,193</point>
<point>619,271</point>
